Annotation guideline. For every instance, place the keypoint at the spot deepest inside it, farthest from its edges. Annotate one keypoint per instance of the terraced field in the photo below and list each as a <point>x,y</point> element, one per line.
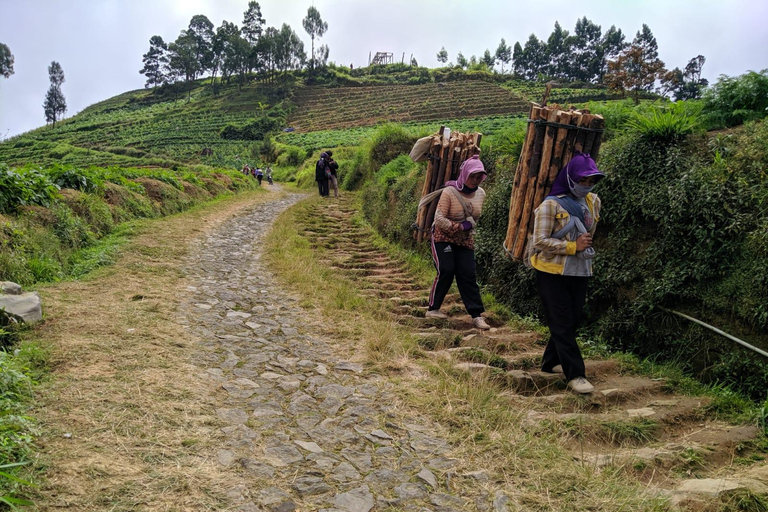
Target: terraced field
<point>322,108</point>
<point>640,425</point>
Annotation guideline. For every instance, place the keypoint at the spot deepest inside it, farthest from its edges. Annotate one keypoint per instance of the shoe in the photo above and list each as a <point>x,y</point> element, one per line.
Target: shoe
<point>479,323</point>
<point>581,385</point>
<point>555,369</point>
<point>435,313</point>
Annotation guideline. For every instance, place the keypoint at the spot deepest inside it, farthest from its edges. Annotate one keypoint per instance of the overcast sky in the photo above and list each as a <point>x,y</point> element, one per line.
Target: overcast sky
<point>100,43</point>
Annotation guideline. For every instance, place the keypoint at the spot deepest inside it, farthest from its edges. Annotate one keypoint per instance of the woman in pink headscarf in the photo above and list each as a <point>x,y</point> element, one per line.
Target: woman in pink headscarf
<point>453,244</point>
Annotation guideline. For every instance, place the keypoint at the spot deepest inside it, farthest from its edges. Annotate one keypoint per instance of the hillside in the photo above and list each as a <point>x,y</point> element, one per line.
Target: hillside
<point>321,108</point>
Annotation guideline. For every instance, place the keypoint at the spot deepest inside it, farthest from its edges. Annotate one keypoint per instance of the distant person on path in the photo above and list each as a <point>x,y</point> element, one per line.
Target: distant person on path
<point>562,256</point>
<point>246,169</point>
<point>269,174</point>
<point>333,180</point>
<point>322,172</point>
<point>453,244</point>
<point>259,174</point>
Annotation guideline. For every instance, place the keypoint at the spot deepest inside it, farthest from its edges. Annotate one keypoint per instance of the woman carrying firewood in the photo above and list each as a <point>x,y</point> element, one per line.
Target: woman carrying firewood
<point>453,244</point>
<point>562,256</point>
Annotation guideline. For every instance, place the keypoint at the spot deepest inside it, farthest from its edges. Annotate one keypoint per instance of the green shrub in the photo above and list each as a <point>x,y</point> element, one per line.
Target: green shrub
<point>24,186</point>
<point>388,142</point>
<point>735,100</point>
<point>671,123</point>
<point>71,229</point>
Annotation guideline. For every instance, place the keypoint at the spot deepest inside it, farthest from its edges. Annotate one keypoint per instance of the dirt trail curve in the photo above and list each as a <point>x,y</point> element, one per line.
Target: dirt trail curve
<point>313,430</point>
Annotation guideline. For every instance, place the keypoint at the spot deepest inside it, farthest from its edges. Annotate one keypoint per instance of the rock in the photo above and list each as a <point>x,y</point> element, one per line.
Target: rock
<point>356,500</point>
<point>708,486</point>
<point>26,306</point>
<point>428,477</point>
<point>310,446</point>
<point>9,288</point>
<point>640,413</point>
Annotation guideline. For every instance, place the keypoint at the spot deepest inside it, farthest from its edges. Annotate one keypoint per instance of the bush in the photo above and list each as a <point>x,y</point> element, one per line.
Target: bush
<point>388,142</point>
<point>736,100</point>
<point>24,186</point>
<point>670,124</point>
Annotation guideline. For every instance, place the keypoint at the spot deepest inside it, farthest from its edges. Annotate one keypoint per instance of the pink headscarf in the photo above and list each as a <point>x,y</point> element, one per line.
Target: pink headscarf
<point>470,166</point>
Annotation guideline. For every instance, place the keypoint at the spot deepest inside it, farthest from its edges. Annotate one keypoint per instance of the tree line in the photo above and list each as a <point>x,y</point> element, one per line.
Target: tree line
<point>233,51</point>
<point>590,56</point>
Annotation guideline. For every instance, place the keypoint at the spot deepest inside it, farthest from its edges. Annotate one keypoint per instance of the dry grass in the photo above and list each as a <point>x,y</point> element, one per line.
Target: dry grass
<point>127,423</point>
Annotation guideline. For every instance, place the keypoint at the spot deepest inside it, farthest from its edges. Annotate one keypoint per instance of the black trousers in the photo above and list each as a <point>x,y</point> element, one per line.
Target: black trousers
<point>451,261</point>
<point>563,298</point>
<point>322,186</point>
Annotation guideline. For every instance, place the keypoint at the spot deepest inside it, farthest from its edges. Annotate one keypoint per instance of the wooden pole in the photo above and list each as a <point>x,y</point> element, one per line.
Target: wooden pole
<point>549,143</point>
<point>533,171</point>
<point>520,182</point>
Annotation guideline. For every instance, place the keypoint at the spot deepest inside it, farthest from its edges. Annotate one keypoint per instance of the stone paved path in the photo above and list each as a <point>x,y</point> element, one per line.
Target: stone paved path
<point>306,429</point>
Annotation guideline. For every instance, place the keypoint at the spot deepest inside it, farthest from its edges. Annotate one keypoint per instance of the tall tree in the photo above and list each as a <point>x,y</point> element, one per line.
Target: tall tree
<point>557,60</point>
<point>687,84</point>
<point>613,43</point>
<point>442,55</point>
<point>6,61</point>
<point>201,31</point>
<point>503,54</point>
<point>154,61</point>
<point>315,27</point>
<point>266,48</point>
<point>55,104</point>
<point>488,59</point>
<point>517,60</point>
<point>534,57</point>
<point>182,57</point>
<point>586,51</point>
<point>289,50</point>
<point>253,23</point>
<point>461,61</point>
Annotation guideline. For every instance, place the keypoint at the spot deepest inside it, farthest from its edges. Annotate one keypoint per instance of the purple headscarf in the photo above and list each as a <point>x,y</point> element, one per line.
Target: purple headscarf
<point>580,166</point>
<point>470,166</point>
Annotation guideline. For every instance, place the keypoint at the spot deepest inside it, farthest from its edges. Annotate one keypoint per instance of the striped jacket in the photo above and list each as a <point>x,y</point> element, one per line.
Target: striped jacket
<point>450,214</point>
<point>551,255</point>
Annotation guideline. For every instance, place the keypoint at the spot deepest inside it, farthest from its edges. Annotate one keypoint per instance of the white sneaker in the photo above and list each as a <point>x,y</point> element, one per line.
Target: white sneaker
<point>479,323</point>
<point>435,313</point>
<point>581,385</point>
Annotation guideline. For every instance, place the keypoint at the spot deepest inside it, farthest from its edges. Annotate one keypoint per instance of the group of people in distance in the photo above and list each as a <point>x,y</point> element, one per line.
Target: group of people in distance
<point>326,174</point>
<point>258,173</point>
<point>561,253</point>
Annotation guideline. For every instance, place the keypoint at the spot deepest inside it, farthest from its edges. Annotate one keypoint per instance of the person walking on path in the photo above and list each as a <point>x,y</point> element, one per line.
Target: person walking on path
<point>453,244</point>
<point>259,174</point>
<point>269,174</point>
<point>322,172</point>
<point>562,255</point>
<point>333,179</point>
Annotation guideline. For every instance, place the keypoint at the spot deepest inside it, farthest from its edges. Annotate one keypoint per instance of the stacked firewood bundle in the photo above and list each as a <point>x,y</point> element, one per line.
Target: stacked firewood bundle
<point>446,151</point>
<point>553,137</point>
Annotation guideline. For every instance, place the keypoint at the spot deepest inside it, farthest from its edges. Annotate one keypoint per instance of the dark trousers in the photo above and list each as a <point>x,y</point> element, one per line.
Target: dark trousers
<point>451,261</point>
<point>322,187</point>
<point>563,298</point>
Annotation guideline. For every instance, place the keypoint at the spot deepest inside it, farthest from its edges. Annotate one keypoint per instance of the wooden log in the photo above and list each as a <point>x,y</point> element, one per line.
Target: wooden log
<point>520,182</point>
<point>593,146</point>
<point>570,141</point>
<point>559,150</point>
<point>581,135</point>
<point>430,217</point>
<point>546,159</point>
<point>533,171</point>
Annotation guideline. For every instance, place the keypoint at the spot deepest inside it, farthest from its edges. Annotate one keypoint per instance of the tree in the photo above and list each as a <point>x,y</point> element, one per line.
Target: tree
<point>315,27</point>
<point>201,31</point>
<point>586,51</point>
<point>488,59</point>
<point>6,61</point>
<point>253,23</point>
<point>517,60</point>
<point>289,50</point>
<point>556,61</point>
<point>503,54</point>
<point>154,61</point>
<point>461,61</point>
<point>632,72</point>
<point>685,85</point>
<point>534,57</point>
<point>55,104</point>
<point>442,55</point>
<point>182,57</point>
<point>612,44</point>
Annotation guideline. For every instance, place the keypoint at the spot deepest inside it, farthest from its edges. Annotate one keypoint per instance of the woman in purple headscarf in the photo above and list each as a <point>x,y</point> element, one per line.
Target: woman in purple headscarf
<point>562,256</point>
<point>453,244</point>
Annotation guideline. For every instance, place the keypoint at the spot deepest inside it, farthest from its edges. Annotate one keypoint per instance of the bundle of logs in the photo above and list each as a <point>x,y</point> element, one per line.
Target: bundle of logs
<point>552,138</point>
<point>446,152</point>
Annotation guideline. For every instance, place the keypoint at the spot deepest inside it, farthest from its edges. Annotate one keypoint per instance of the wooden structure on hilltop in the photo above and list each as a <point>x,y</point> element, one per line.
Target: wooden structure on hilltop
<point>381,58</point>
<point>552,138</point>
<point>446,151</point>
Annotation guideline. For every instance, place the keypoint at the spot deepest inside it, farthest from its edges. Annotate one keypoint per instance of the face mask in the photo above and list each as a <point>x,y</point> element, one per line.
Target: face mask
<point>468,190</point>
<point>577,190</point>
